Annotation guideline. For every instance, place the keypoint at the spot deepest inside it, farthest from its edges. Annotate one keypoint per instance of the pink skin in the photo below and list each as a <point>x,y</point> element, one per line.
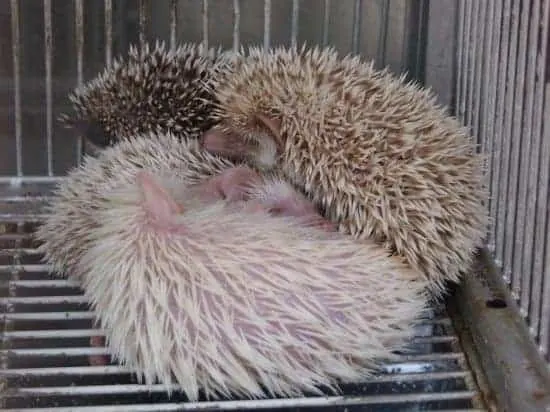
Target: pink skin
<point>225,144</point>
<point>232,185</point>
<point>229,144</point>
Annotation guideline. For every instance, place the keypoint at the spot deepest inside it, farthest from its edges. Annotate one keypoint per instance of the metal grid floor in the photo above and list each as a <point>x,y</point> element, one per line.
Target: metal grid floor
<point>47,325</point>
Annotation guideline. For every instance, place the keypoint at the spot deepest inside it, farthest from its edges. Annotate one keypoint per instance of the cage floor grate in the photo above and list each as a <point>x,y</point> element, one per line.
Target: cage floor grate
<point>47,325</point>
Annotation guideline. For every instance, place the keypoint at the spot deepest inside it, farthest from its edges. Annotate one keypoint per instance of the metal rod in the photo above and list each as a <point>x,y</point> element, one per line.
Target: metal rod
<point>540,175</point>
<point>108,32</point>
<point>326,21</point>
<point>267,24</point>
<point>237,405</point>
<point>466,63</point>
<point>516,205</point>
<point>504,29</point>
<point>294,25</point>
<point>173,23</point>
<point>48,52</point>
<point>143,11</point>
<point>523,129</point>
<point>16,55</point>
<point>381,46</point>
<point>356,25</point>
<point>472,51</point>
<point>506,215</point>
<point>491,103</point>
<point>460,58</point>
<point>498,221</point>
<point>79,40</point>
<point>236,24</point>
<point>480,62</point>
<point>205,22</point>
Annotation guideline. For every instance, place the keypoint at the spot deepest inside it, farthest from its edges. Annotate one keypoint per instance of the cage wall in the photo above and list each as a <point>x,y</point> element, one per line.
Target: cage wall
<point>502,91</point>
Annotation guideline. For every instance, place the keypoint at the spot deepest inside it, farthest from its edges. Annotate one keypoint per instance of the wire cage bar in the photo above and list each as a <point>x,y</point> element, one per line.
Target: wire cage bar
<point>502,95</point>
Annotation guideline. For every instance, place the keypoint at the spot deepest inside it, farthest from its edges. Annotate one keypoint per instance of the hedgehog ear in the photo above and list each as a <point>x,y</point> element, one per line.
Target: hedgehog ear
<point>273,125</point>
<point>157,200</point>
<point>215,140</point>
<point>224,143</point>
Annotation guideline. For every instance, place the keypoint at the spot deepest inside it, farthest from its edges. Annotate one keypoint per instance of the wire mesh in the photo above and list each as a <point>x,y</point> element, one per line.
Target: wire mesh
<point>502,95</point>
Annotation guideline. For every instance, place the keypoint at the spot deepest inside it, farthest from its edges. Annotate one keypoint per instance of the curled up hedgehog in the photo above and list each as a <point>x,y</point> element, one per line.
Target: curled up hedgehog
<point>241,293</point>
<point>71,215</point>
<point>72,212</point>
<point>154,89</point>
<point>377,154</point>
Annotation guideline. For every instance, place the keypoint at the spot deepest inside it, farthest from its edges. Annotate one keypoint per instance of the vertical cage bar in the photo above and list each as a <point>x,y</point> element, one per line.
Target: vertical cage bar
<point>420,52</point>
<point>356,25</point>
<point>205,22</point>
<point>493,85</point>
<point>382,41</point>
<point>48,51</point>
<point>143,17</point>
<point>500,154</point>
<point>506,215</point>
<point>294,26</point>
<point>539,183</point>
<point>545,306</point>
<point>267,24</point>
<point>236,24</point>
<point>326,21</point>
<point>479,65</point>
<point>16,54</point>
<point>472,51</point>
<point>504,29</point>
<point>488,64</point>
<point>523,132</point>
<point>460,59</point>
<point>108,32</point>
<point>466,66</point>
<point>515,206</point>
<point>79,40</point>
<point>173,23</point>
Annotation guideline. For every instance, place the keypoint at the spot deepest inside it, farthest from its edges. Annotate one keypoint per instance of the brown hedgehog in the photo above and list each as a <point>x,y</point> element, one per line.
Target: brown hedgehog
<point>226,302</point>
<point>376,153</point>
<point>154,89</point>
<point>72,212</point>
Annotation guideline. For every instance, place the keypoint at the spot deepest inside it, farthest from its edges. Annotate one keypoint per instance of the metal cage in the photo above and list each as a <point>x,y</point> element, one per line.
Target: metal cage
<point>486,59</point>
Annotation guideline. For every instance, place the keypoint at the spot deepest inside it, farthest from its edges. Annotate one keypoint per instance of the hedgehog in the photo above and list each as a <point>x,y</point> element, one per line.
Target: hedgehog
<point>226,302</point>
<point>154,89</point>
<point>376,153</point>
<point>71,213</point>
<point>259,193</point>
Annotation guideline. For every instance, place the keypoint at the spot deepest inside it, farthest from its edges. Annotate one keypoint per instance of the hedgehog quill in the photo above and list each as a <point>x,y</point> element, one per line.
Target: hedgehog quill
<point>378,155</point>
<point>154,89</point>
<point>247,189</point>
<point>72,212</point>
<point>227,302</point>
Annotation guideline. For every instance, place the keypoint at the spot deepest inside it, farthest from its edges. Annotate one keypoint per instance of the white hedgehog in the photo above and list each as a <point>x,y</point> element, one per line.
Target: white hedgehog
<point>152,89</point>
<point>72,212</point>
<point>376,153</point>
<point>227,302</point>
